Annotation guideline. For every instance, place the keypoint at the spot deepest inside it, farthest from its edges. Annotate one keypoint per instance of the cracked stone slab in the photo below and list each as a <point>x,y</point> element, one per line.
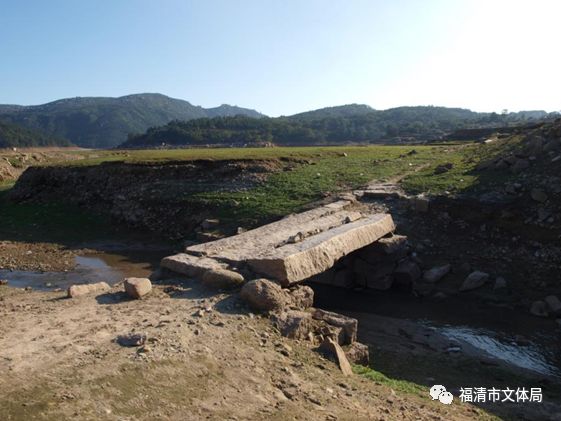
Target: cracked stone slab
<point>292,249</point>
<point>292,263</point>
<point>241,247</point>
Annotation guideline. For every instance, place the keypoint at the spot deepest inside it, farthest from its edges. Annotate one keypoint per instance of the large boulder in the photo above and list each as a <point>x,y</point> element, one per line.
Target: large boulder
<point>474,280</point>
<point>137,287</point>
<point>87,289</point>
<point>222,279</point>
<point>264,295</point>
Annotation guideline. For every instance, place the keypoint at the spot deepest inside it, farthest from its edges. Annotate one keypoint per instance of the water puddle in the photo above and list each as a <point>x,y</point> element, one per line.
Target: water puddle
<point>110,268</point>
<point>530,355</point>
<point>457,328</point>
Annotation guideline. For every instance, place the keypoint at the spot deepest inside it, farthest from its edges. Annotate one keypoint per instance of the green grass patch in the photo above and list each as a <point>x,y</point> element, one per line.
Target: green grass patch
<point>403,386</point>
<point>289,191</point>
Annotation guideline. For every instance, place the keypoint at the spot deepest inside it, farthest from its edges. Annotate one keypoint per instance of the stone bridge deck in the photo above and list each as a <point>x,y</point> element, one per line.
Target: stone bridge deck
<point>292,249</point>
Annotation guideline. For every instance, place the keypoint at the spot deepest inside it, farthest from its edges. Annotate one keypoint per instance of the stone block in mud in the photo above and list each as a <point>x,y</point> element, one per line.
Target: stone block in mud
<point>407,272</point>
<point>87,289</point>
<point>333,349</point>
<point>348,324</point>
<point>325,330</point>
<point>358,353</point>
<point>222,279</point>
<point>137,287</point>
<point>189,265</point>
<point>293,324</point>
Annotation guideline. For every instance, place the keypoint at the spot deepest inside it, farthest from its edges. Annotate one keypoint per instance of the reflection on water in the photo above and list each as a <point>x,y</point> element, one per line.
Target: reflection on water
<point>530,356</point>
<point>88,270</point>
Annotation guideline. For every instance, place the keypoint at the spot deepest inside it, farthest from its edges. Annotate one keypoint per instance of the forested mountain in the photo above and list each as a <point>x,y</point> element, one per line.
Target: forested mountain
<point>351,123</point>
<point>12,135</point>
<point>98,122</point>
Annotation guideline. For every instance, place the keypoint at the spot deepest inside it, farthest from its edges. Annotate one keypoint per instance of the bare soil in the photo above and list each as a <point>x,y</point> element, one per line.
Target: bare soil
<point>205,357</point>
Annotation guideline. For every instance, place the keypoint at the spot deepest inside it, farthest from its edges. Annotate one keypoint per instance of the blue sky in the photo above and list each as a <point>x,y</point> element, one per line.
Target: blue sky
<point>285,56</point>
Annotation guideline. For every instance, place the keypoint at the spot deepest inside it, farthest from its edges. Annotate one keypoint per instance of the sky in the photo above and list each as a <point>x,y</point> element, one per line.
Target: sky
<point>286,56</point>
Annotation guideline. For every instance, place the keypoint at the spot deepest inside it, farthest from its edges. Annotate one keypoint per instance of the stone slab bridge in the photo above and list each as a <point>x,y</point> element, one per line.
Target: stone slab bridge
<point>307,246</point>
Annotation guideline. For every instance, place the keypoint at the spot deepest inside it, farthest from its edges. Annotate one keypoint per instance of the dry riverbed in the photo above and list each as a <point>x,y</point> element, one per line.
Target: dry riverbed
<point>205,357</point>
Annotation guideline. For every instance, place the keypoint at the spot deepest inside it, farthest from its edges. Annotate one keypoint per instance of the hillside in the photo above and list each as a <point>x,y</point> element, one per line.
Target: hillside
<point>12,135</point>
<point>105,122</point>
<point>335,125</point>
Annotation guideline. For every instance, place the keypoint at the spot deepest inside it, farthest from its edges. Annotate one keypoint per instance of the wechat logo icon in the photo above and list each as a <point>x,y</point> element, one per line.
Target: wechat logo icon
<point>439,392</point>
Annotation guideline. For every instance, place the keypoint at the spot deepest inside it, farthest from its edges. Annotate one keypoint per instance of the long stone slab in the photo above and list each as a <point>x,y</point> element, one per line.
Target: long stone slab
<point>292,249</point>
<point>242,247</point>
<point>192,266</point>
<point>292,263</point>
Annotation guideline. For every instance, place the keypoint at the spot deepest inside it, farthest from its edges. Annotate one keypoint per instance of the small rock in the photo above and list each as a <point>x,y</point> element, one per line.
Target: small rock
<point>441,169</point>
<point>85,289</point>
<point>222,279</point>
<point>131,339</point>
<point>474,280</point>
<point>539,308</point>
<point>538,195</point>
<point>3,282</point>
<point>137,287</point>
<point>553,304</point>
<point>436,273</point>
